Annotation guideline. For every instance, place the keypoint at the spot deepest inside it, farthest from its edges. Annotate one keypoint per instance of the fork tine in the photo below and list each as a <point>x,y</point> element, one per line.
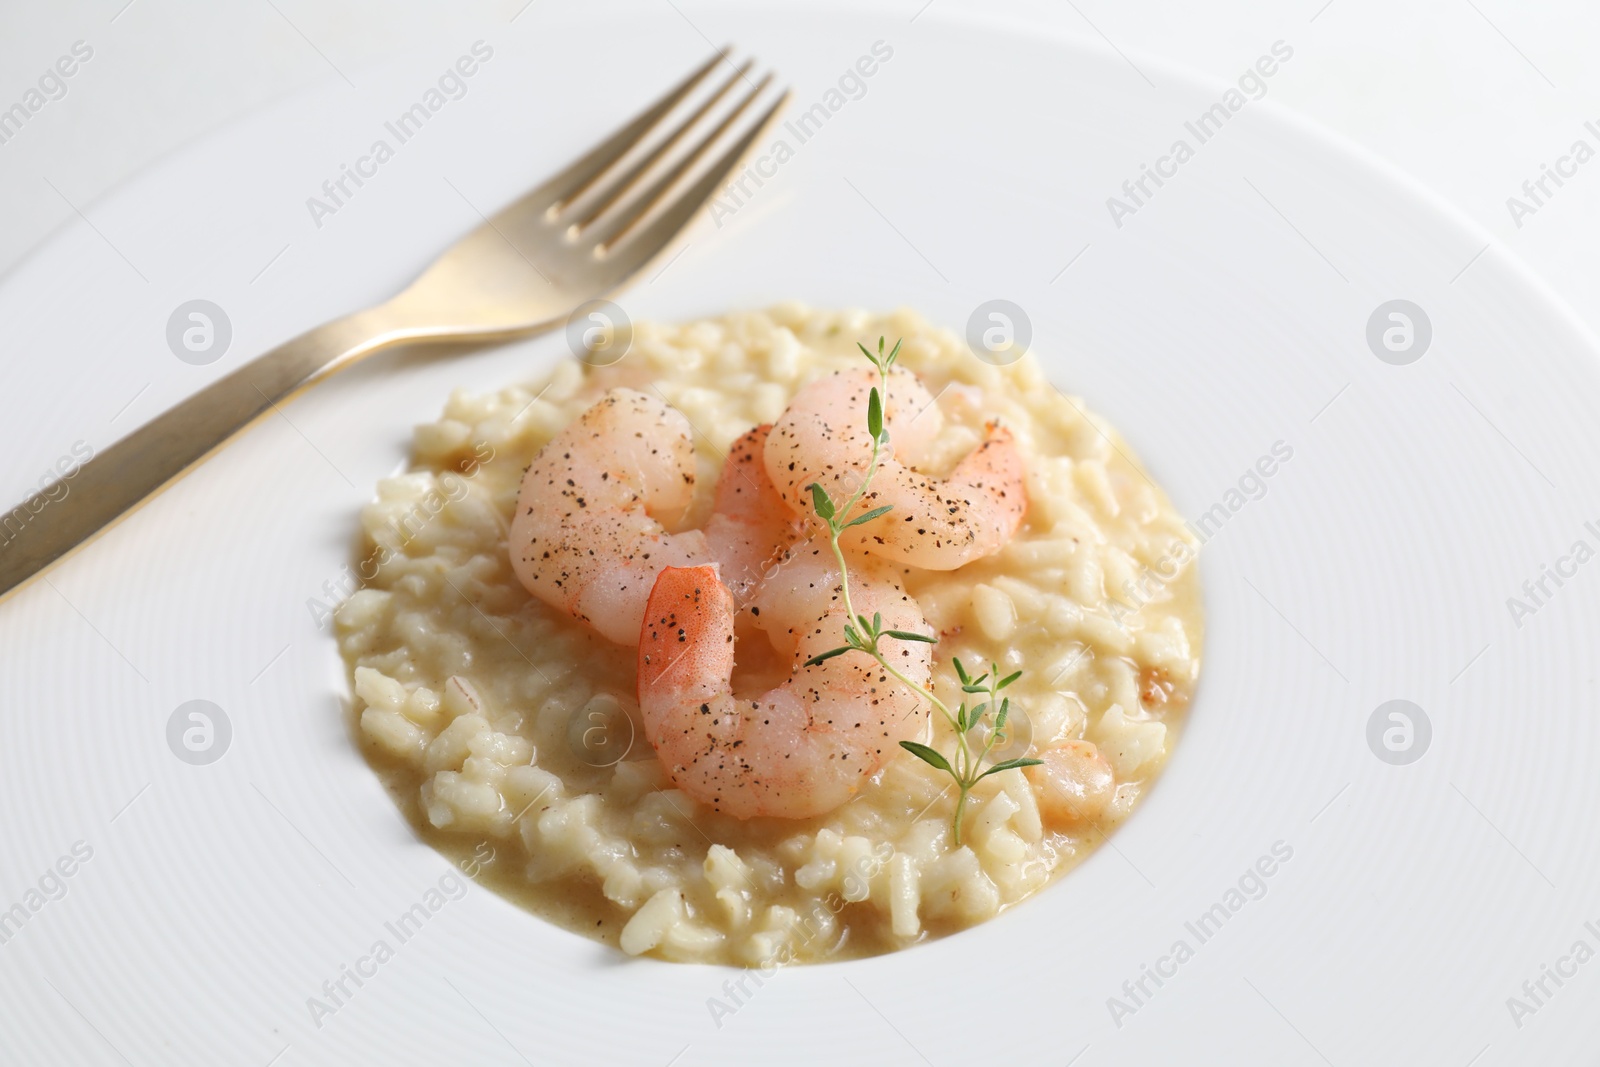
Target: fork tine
<point>622,185</point>
<point>636,211</point>
<point>646,243</point>
<point>570,183</point>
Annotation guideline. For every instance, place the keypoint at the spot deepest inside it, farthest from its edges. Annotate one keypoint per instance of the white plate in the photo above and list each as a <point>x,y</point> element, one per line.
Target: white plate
<point>1229,313</point>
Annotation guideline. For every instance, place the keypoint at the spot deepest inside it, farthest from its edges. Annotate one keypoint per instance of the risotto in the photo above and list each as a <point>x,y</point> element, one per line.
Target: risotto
<point>510,733</point>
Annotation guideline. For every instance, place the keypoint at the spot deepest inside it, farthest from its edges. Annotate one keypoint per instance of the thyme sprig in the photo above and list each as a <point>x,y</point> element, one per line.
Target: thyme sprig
<point>966,764</point>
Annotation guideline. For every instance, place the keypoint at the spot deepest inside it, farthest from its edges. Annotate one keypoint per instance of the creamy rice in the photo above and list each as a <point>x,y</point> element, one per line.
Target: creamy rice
<point>509,733</point>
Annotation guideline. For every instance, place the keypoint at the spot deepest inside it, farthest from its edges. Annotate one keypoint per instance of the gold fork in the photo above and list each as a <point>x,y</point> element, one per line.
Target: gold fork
<point>584,232</point>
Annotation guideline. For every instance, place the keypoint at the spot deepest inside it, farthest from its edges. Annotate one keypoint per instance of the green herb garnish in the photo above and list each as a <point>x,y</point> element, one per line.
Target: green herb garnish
<point>965,765</point>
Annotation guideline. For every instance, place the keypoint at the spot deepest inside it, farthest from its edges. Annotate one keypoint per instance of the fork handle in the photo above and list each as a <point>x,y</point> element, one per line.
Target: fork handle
<point>48,525</point>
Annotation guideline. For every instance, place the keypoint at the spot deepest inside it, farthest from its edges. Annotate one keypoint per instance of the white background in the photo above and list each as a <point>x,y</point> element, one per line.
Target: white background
<point>1470,96</point>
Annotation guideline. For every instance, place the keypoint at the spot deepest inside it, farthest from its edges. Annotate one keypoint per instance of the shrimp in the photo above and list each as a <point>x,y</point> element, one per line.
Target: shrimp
<point>803,747</point>
<point>1074,784</point>
<point>937,525</point>
<point>751,523</point>
<point>587,536</point>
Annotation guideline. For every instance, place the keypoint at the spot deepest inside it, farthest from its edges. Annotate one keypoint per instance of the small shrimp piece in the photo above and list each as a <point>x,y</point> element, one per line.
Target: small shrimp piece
<point>803,747</point>
<point>1157,690</point>
<point>936,524</point>
<point>587,536</point>
<point>1074,783</point>
<point>751,524</point>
